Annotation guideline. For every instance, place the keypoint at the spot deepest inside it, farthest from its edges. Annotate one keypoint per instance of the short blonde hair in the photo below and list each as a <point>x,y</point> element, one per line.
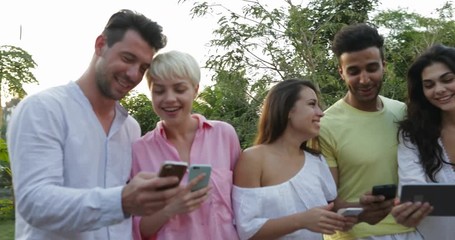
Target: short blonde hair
<point>174,64</point>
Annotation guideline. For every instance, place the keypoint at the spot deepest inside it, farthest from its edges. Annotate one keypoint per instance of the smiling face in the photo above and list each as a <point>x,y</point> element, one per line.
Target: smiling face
<point>362,72</point>
<point>439,86</point>
<point>121,67</point>
<point>306,114</point>
<point>172,99</point>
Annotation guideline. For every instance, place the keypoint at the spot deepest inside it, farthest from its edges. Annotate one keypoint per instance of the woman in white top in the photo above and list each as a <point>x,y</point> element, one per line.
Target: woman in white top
<point>282,187</point>
<point>426,153</point>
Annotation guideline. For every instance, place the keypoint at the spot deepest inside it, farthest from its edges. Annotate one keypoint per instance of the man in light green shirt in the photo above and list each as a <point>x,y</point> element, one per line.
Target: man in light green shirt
<point>359,136</point>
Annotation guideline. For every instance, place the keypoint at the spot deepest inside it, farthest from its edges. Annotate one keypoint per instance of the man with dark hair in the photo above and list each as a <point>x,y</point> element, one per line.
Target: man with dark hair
<point>70,146</point>
<point>359,135</point>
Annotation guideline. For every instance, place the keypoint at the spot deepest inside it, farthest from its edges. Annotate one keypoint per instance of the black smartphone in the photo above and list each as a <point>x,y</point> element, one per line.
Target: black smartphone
<point>172,168</point>
<point>389,191</point>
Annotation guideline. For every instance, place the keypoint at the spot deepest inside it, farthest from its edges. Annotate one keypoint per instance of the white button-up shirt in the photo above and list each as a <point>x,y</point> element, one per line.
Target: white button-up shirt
<point>67,173</point>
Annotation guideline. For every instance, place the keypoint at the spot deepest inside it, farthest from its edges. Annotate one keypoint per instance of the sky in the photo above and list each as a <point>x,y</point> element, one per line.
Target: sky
<point>60,35</point>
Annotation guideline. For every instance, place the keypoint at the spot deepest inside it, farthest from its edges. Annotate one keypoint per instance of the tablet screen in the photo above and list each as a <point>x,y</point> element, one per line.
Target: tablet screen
<point>440,196</point>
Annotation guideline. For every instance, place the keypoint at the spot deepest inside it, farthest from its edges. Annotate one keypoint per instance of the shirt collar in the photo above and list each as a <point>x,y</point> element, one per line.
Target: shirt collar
<point>202,123</point>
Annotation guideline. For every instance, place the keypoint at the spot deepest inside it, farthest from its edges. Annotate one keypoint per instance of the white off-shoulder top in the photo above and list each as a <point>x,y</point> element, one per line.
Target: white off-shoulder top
<point>312,186</point>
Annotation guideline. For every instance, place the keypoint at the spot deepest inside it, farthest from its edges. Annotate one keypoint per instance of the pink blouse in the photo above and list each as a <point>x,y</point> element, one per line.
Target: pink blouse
<point>215,143</point>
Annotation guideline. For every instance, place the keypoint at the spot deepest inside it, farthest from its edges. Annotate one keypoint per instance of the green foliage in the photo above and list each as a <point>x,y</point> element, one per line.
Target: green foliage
<point>7,230</point>
<point>256,46</point>
<point>6,209</point>
<point>273,44</point>
<point>139,106</point>
<point>294,40</point>
<point>6,185</point>
<point>228,100</point>
<point>6,181</point>
<point>15,70</point>
<point>408,34</point>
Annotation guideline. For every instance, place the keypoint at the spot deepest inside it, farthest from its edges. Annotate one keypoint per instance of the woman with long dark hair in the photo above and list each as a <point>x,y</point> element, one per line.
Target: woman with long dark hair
<point>281,186</point>
<point>426,153</point>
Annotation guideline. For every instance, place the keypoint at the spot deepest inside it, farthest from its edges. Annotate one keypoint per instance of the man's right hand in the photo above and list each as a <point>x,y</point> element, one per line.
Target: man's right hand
<point>140,196</point>
<point>375,208</point>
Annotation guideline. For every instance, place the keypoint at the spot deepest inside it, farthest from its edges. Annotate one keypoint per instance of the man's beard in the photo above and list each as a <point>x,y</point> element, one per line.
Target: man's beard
<point>104,87</point>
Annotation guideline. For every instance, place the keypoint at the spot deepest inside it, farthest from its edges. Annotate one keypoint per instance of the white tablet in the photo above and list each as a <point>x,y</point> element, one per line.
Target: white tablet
<point>440,196</point>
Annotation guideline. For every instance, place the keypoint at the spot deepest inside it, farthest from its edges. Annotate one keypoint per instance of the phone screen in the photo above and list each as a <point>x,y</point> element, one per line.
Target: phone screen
<point>196,170</point>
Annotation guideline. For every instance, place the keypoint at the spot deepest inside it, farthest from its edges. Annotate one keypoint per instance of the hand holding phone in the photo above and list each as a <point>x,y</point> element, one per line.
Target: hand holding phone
<point>389,191</point>
<point>172,168</point>
<point>196,170</point>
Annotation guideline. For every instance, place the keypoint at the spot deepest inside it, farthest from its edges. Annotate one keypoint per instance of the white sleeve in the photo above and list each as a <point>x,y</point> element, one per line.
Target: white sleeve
<point>247,209</point>
<point>410,170</point>
<point>35,145</point>
<point>328,183</point>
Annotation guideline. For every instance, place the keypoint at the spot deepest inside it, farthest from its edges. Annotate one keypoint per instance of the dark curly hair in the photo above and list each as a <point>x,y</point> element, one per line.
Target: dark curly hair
<point>423,123</point>
<point>357,37</point>
<point>125,20</point>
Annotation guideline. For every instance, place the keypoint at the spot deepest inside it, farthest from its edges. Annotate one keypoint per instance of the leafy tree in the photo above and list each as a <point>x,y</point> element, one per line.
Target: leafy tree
<point>229,100</point>
<point>267,45</point>
<point>139,106</point>
<point>294,40</point>
<point>15,71</point>
<point>408,34</point>
<point>291,41</point>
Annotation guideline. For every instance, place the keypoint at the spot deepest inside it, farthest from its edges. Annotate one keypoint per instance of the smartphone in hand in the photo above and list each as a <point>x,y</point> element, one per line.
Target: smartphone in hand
<point>350,211</point>
<point>196,170</point>
<point>172,168</point>
<point>389,191</point>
